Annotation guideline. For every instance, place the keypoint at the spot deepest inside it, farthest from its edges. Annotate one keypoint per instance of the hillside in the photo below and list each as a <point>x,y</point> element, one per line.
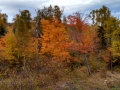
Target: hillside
<point>63,80</point>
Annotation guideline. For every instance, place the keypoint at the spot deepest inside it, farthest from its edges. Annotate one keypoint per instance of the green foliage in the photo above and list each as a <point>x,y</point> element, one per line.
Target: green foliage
<point>101,36</point>
<point>51,12</point>
<point>57,12</point>
<point>99,17</point>
<point>3,24</point>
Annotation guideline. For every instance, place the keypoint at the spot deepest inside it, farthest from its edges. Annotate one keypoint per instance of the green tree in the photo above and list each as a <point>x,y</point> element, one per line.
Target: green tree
<point>3,24</point>
<point>57,12</point>
<point>99,17</point>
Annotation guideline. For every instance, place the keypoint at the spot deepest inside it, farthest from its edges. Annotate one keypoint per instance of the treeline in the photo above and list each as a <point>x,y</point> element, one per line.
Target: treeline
<point>49,41</point>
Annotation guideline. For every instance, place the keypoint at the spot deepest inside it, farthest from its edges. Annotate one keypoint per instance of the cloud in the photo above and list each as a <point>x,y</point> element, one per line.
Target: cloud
<point>12,7</point>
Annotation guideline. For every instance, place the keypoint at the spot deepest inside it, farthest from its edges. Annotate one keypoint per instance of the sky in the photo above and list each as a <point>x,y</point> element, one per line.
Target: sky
<point>12,7</point>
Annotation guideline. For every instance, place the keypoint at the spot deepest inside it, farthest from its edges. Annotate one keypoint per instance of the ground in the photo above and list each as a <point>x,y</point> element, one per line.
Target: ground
<point>64,79</point>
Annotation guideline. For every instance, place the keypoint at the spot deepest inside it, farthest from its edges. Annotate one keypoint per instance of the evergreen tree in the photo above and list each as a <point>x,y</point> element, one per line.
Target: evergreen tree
<point>99,17</point>
<point>3,24</point>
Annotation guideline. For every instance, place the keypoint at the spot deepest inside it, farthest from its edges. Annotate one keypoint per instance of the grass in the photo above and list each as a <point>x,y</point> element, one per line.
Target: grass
<point>63,79</point>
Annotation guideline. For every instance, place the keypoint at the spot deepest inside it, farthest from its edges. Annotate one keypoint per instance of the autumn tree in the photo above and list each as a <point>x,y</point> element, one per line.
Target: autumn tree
<point>54,40</point>
<point>47,13</point>
<point>82,36</point>
<point>115,45</point>
<point>11,49</point>
<point>112,38</point>
<point>20,39</point>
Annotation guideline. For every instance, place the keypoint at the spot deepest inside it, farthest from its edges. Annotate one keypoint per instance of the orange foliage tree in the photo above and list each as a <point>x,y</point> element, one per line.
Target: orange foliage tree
<point>54,40</point>
<point>82,36</point>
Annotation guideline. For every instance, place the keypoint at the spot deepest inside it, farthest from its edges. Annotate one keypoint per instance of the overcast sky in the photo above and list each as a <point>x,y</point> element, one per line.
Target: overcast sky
<point>12,7</point>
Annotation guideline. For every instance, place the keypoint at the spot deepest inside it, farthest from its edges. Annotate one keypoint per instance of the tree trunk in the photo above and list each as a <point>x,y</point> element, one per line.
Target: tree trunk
<point>24,63</point>
<point>111,66</point>
<point>37,31</point>
<point>109,45</point>
<point>38,46</point>
<point>86,61</point>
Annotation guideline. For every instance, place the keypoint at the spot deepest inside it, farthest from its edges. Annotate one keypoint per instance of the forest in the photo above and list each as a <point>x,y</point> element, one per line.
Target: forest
<point>56,52</point>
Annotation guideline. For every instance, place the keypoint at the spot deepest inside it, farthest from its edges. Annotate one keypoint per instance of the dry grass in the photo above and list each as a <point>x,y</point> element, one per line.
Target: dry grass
<point>63,79</point>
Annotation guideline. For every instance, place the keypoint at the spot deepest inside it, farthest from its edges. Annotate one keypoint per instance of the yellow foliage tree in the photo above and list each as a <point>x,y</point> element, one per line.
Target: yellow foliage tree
<point>11,49</point>
<point>14,52</point>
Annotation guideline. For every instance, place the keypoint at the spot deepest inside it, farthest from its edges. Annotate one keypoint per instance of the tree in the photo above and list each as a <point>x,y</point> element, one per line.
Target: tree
<point>54,40</point>
<point>12,51</point>
<point>22,28</point>
<point>3,24</point>
<point>113,39</point>
<point>57,12</point>
<point>82,36</point>
<point>99,17</point>
<point>115,46</point>
<point>47,13</point>
<point>38,29</point>
<point>112,24</point>
<point>51,12</point>
<point>64,20</point>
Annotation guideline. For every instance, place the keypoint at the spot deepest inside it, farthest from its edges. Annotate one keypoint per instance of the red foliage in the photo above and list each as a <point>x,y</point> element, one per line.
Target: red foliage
<point>81,35</point>
<point>107,56</point>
